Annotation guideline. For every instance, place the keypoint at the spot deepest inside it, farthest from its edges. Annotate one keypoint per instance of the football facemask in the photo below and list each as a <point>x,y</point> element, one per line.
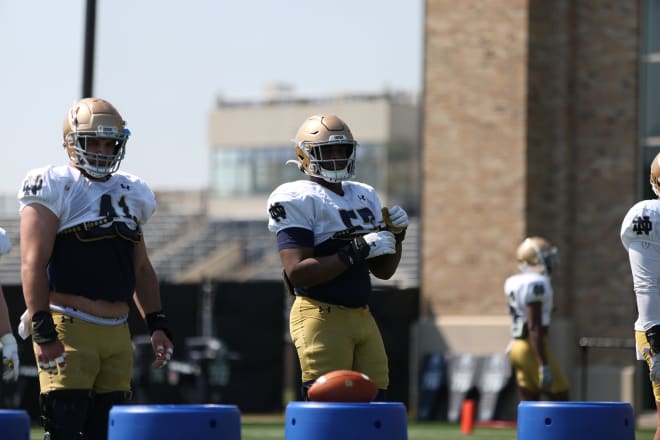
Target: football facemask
<point>93,118</point>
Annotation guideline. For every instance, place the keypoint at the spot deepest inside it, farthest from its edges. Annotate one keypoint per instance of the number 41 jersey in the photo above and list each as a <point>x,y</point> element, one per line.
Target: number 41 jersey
<point>99,224</point>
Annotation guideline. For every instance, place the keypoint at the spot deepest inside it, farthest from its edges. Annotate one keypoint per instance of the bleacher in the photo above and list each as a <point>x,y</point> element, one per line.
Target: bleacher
<point>10,263</point>
<point>204,240</point>
<point>179,245</point>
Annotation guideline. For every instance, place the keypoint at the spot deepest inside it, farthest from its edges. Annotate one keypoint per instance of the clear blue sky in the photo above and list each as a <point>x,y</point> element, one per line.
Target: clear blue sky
<point>163,63</point>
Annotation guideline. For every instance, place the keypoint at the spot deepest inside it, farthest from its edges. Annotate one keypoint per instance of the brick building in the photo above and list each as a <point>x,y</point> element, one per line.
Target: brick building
<point>539,118</point>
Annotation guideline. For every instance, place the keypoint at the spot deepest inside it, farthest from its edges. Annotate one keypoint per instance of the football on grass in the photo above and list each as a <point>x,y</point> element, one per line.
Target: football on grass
<point>342,386</point>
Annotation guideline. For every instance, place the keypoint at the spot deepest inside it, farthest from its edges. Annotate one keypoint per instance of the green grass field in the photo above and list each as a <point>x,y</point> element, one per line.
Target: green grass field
<point>269,430</point>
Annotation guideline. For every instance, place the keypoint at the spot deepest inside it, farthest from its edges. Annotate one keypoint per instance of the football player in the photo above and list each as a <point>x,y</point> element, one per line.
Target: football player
<point>10,361</point>
<point>529,295</point>
<point>641,239</point>
<point>83,259</point>
<point>332,233</point>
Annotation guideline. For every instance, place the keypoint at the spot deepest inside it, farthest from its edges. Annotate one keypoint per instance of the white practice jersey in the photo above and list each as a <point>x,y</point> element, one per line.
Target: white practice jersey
<point>306,214</point>
<point>641,238</point>
<point>308,205</point>
<point>77,201</point>
<point>99,224</point>
<point>524,288</point>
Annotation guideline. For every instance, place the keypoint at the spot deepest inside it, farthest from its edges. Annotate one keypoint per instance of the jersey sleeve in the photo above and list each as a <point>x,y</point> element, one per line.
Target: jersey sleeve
<point>641,224</point>
<point>148,202</point>
<point>536,290</point>
<point>287,209</point>
<point>43,186</point>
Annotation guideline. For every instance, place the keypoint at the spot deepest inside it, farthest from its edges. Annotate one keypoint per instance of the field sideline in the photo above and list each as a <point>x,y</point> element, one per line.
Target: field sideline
<point>252,429</point>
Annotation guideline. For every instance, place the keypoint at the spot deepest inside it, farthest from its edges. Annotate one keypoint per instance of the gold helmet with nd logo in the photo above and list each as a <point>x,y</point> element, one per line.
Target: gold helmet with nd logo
<point>313,139</point>
<point>94,118</point>
<point>538,254</point>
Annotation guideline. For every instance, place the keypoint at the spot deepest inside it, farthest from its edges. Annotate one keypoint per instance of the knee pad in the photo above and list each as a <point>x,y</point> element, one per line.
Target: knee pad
<point>63,413</point>
<point>96,424</point>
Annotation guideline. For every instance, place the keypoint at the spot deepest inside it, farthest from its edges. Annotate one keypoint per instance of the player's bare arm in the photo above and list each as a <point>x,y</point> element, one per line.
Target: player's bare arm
<point>146,283</point>
<point>305,270</point>
<point>536,332</point>
<point>38,228</point>
<point>147,301</point>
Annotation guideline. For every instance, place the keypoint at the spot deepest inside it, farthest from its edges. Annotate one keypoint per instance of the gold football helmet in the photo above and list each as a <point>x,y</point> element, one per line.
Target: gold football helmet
<point>655,175</point>
<point>94,118</point>
<point>538,254</point>
<point>314,134</point>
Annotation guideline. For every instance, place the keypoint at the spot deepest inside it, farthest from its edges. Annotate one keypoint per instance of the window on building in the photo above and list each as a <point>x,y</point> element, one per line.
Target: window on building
<point>237,172</point>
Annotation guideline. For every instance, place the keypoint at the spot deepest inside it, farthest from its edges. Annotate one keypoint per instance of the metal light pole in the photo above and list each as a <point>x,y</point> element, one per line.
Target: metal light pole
<point>88,61</point>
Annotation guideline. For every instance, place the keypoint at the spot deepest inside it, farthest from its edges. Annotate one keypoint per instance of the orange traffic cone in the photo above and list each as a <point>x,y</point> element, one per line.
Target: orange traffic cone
<point>467,416</point>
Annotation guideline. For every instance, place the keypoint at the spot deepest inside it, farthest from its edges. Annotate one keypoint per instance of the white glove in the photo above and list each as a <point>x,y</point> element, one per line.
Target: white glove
<point>380,243</point>
<point>654,370</point>
<point>395,218</point>
<point>5,242</point>
<point>545,376</point>
<point>10,362</point>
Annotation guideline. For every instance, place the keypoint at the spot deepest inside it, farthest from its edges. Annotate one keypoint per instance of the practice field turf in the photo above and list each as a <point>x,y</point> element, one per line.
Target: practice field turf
<point>255,430</point>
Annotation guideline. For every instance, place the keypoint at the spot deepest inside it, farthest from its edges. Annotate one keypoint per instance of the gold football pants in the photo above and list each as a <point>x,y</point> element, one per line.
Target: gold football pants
<point>329,337</point>
<point>642,344</point>
<point>526,366</point>
<point>98,357</point>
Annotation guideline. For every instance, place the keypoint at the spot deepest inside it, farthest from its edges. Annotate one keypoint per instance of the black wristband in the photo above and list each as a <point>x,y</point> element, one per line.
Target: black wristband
<point>158,321</point>
<point>43,328</point>
<point>400,236</point>
<point>354,252</point>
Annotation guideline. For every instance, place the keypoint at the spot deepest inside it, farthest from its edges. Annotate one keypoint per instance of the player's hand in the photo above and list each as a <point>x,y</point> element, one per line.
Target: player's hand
<point>380,243</point>
<point>396,218</point>
<point>163,348</point>
<point>654,370</point>
<point>545,376</point>
<point>10,362</point>
<point>51,356</point>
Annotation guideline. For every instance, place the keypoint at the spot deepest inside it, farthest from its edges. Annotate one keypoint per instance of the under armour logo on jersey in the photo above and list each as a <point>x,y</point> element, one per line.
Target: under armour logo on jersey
<point>276,211</point>
<point>642,225</point>
<point>33,184</point>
